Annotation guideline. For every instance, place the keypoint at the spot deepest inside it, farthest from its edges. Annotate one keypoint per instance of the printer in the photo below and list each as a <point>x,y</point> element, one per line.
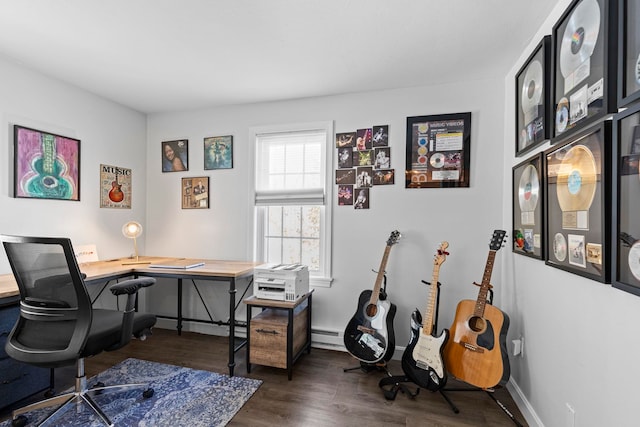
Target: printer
<point>280,282</point>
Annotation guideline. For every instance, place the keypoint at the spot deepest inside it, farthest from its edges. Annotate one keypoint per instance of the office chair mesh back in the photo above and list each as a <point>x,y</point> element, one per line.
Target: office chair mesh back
<point>55,308</point>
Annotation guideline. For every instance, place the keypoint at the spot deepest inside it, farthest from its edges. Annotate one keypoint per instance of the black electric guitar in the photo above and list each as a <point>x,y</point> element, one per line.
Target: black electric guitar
<point>369,335</point>
<point>422,360</point>
<point>477,351</point>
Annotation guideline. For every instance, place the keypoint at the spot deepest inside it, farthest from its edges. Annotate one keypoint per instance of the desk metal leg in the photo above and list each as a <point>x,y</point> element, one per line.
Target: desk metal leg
<point>179,306</point>
<point>232,324</point>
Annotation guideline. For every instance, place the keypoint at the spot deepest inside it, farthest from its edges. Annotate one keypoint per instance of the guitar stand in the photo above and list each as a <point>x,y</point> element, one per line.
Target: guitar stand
<point>489,392</point>
<point>397,385</point>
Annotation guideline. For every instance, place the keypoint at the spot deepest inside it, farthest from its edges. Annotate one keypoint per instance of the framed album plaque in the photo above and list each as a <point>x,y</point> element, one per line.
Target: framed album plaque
<point>438,151</point>
<point>625,234</point>
<point>533,97</point>
<point>585,62</point>
<point>577,203</point>
<point>528,201</point>
<point>629,52</point>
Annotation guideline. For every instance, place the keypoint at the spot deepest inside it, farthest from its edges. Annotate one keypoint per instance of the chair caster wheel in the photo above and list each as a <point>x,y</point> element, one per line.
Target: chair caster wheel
<point>98,385</point>
<point>147,393</point>
<point>49,393</point>
<point>21,421</point>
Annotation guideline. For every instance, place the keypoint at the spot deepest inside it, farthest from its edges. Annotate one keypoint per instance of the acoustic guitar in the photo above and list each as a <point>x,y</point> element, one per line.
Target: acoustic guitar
<point>422,360</point>
<point>476,351</point>
<point>369,335</point>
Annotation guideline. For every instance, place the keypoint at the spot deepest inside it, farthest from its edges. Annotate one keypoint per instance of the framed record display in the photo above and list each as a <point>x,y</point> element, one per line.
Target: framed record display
<point>528,200</point>
<point>625,235</point>
<point>585,63</point>
<point>629,52</point>
<point>533,97</point>
<point>438,151</point>
<point>577,203</point>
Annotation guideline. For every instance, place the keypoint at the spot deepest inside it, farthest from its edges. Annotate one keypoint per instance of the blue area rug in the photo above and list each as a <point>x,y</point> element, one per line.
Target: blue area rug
<point>182,397</point>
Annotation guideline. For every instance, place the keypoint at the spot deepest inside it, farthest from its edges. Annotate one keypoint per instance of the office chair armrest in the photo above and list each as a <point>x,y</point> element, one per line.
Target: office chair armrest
<point>131,286</point>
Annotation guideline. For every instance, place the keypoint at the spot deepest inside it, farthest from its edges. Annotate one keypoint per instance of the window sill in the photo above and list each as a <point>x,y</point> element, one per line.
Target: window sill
<point>320,282</point>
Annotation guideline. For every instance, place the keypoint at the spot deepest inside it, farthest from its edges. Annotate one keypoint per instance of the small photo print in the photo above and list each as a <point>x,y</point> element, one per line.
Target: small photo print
<point>363,158</point>
<point>364,177</point>
<point>382,158</point>
<point>363,139</point>
<point>345,176</point>
<point>384,177</point>
<point>345,195</point>
<point>345,157</point>
<point>381,136</point>
<point>576,250</point>
<point>362,201</point>
<point>175,155</point>
<point>346,139</point>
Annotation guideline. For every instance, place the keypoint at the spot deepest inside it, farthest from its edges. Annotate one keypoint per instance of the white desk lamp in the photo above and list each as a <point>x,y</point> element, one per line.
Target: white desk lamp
<point>133,229</point>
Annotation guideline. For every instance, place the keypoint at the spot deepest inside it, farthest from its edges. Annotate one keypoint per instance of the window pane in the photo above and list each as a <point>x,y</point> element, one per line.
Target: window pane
<point>291,251</point>
<point>274,221</point>
<point>291,221</point>
<point>311,221</point>
<point>311,253</point>
<point>274,250</point>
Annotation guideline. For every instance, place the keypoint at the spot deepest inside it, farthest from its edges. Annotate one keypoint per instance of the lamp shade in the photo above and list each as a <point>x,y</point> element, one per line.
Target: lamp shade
<point>132,229</point>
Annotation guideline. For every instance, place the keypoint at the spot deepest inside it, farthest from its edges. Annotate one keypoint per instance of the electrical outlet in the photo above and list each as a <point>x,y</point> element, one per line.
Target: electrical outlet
<point>518,347</point>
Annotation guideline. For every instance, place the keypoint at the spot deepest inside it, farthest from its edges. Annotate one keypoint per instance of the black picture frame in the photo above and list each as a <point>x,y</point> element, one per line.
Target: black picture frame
<point>625,232</point>
<point>578,200</point>
<point>585,63</point>
<point>175,155</point>
<point>628,52</point>
<point>528,207</point>
<point>195,192</point>
<point>438,151</point>
<point>218,152</point>
<point>533,98</point>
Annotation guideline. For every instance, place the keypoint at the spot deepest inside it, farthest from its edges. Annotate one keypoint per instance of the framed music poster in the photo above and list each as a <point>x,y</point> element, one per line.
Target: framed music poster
<point>115,187</point>
<point>528,202</point>
<point>577,203</point>
<point>195,192</point>
<point>629,52</point>
<point>585,62</point>
<point>218,152</point>
<point>175,156</point>
<point>533,97</point>
<point>625,235</point>
<point>46,165</point>
<point>438,151</point>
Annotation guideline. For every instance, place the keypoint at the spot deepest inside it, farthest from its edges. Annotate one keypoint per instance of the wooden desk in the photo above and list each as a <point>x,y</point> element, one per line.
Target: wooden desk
<point>213,270</point>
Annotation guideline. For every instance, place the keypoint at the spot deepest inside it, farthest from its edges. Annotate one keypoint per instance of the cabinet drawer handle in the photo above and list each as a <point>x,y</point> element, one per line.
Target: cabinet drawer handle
<point>266,331</point>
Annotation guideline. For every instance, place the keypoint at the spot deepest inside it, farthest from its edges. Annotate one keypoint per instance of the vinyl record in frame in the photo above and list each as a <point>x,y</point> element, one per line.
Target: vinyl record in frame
<point>528,203</point>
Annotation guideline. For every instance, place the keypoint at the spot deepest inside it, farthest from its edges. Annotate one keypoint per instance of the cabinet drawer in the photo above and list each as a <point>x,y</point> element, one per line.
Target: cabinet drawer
<point>268,344</point>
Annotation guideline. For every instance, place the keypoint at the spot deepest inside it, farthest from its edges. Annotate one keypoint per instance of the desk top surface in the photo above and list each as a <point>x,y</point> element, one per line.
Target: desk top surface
<point>124,266</point>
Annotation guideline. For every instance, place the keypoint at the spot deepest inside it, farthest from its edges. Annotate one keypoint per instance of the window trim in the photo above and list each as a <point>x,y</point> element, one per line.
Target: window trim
<point>256,242</point>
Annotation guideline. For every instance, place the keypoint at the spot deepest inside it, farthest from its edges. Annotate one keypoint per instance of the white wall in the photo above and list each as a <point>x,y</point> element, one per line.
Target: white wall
<point>581,341</point>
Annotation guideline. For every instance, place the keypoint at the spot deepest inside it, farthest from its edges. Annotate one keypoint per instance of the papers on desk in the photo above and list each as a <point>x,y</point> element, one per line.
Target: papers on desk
<point>179,264</point>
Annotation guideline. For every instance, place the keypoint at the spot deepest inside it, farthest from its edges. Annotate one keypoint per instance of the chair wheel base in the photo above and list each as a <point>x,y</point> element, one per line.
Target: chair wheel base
<point>20,421</point>
<point>147,393</point>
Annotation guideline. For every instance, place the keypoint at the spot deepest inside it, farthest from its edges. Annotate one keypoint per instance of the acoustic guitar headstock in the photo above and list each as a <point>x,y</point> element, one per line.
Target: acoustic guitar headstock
<point>497,240</point>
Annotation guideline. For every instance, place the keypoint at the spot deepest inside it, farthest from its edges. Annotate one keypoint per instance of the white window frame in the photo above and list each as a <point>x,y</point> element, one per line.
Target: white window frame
<point>324,277</point>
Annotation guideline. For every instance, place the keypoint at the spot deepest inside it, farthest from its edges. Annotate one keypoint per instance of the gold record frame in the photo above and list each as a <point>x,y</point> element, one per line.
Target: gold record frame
<point>577,199</point>
<point>628,52</point>
<point>528,207</point>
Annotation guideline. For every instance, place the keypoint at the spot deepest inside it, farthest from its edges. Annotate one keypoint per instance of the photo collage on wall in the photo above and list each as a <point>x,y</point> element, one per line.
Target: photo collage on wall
<point>364,160</point>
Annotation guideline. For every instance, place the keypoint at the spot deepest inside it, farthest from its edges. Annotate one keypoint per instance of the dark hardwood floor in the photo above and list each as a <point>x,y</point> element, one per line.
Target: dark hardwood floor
<point>320,393</point>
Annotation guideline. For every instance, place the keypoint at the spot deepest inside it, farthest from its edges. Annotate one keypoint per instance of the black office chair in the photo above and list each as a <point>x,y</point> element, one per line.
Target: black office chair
<point>57,324</point>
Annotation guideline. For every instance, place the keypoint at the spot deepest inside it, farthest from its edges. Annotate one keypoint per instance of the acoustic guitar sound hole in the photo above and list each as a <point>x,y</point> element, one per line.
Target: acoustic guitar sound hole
<point>477,324</point>
<point>371,310</point>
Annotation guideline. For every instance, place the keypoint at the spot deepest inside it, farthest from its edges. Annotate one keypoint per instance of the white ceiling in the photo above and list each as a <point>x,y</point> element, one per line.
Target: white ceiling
<point>169,55</point>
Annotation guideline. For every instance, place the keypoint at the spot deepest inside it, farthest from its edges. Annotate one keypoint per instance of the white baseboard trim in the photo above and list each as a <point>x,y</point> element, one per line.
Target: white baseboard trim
<point>523,404</point>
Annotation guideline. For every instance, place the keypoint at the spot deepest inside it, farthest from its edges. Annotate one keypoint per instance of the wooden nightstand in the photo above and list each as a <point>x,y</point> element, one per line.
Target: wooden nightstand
<point>280,333</point>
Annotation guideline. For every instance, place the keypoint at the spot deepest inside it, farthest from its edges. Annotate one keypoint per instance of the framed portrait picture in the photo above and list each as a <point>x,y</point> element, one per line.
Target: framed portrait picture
<point>628,52</point>
<point>46,165</point>
<point>625,234</point>
<point>115,187</point>
<point>175,156</point>
<point>438,151</point>
<point>533,97</point>
<point>528,204</point>
<point>585,65</point>
<point>577,202</point>
<point>218,152</point>
<point>195,192</point>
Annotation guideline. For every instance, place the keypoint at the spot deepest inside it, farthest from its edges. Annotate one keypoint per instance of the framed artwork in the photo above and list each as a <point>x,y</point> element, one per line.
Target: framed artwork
<point>345,157</point>
<point>577,203</point>
<point>46,165</point>
<point>384,176</point>
<point>362,199</point>
<point>438,151</point>
<point>628,52</point>
<point>175,156</point>
<point>195,192</point>
<point>218,152</point>
<point>625,235</point>
<point>585,63</point>
<point>364,139</point>
<point>528,205</point>
<point>115,187</point>
<point>345,139</point>
<point>533,97</point>
<point>380,136</point>
<point>345,195</point>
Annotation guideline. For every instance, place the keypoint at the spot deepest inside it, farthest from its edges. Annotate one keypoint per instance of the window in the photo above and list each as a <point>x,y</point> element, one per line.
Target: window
<point>292,196</point>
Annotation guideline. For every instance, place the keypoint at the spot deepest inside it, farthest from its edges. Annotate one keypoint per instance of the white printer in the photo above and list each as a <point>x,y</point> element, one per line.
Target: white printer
<point>280,282</point>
